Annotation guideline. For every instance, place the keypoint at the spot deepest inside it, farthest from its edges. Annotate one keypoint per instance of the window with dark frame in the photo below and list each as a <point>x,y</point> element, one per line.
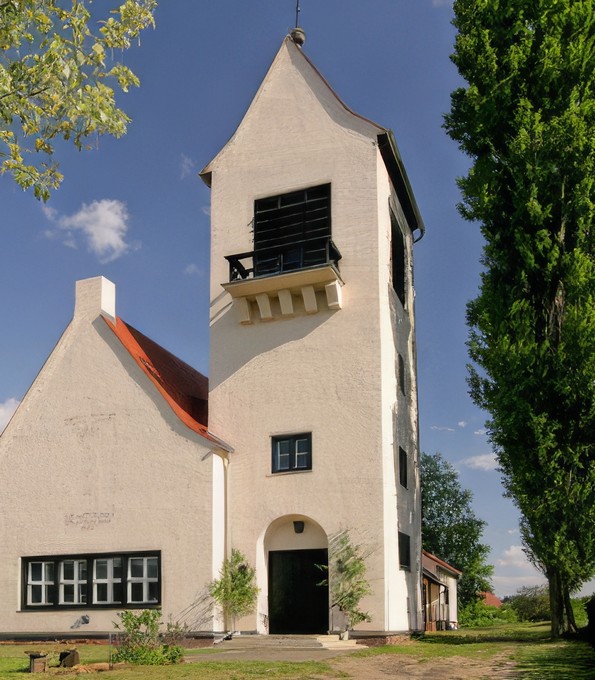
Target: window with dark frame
<point>292,453</point>
<point>403,465</point>
<point>404,551</point>
<point>401,372</point>
<point>93,580</point>
<point>398,259</point>
<point>292,231</point>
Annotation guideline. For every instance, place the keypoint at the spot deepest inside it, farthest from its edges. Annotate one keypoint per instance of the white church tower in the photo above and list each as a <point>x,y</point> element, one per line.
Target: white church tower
<point>312,375</point>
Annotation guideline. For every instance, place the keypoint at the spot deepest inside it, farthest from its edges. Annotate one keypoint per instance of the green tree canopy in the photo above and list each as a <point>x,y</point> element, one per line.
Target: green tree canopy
<point>450,529</point>
<point>527,120</point>
<point>57,79</point>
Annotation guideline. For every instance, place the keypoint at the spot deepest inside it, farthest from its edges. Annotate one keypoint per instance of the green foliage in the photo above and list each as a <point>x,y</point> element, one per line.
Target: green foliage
<point>57,79</point>
<point>143,644</point>
<point>450,529</point>
<point>235,591</point>
<point>531,603</point>
<point>347,576</point>
<point>526,118</point>
<point>478,614</point>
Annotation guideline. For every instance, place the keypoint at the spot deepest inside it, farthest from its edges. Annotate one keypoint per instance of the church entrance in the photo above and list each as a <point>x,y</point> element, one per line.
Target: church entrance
<point>297,605</point>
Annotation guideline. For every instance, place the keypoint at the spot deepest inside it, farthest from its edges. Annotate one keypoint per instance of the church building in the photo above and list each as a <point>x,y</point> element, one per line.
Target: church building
<point>126,477</point>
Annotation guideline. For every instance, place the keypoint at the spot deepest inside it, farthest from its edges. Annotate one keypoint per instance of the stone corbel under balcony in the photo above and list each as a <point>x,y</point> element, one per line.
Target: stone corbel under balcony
<point>304,283</point>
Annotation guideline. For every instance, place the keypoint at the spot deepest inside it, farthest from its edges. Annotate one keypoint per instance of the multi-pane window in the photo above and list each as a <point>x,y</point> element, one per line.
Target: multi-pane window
<point>40,583</point>
<point>292,452</point>
<point>293,231</point>
<point>73,582</point>
<point>143,579</point>
<point>112,580</point>
<point>107,580</point>
<point>403,467</point>
<point>404,551</point>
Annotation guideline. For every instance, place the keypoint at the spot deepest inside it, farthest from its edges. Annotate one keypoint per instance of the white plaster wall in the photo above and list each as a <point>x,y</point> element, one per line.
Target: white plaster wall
<point>320,373</point>
<point>94,436</point>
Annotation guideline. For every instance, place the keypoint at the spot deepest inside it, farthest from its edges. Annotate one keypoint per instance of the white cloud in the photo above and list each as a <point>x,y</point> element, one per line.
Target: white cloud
<point>515,557</point>
<point>7,408</point>
<point>485,461</point>
<point>480,432</point>
<point>193,270</point>
<point>513,531</point>
<point>187,166</point>
<point>103,225</point>
<point>206,209</point>
<point>462,423</point>
<point>442,428</point>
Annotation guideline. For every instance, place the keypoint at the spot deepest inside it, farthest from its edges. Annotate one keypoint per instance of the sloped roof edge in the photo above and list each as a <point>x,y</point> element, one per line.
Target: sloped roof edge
<point>132,341</point>
<point>441,563</point>
<point>386,142</point>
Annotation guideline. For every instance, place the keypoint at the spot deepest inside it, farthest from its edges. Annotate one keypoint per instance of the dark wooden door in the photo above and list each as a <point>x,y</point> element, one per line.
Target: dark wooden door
<point>296,603</point>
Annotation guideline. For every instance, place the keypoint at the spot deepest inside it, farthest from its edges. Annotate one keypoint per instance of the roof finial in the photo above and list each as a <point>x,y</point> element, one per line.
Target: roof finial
<point>297,34</point>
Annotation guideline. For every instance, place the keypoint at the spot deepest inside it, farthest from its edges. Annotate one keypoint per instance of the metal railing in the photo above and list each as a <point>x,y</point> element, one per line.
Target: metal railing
<point>282,259</point>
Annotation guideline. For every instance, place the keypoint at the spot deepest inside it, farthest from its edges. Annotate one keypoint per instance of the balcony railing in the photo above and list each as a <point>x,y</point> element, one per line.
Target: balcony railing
<point>272,261</point>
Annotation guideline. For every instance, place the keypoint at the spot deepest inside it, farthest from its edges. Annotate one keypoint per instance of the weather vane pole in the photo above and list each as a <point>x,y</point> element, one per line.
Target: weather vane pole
<point>297,13</point>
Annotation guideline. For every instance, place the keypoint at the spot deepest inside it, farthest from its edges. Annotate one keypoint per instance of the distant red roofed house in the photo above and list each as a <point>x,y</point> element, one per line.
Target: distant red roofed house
<point>491,599</point>
<point>440,599</point>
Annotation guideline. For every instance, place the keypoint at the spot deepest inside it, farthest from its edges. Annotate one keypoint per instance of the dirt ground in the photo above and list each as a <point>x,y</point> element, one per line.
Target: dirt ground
<point>400,667</point>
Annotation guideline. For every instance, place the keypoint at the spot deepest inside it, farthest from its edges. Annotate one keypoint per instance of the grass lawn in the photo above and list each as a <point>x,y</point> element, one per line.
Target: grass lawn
<point>528,645</point>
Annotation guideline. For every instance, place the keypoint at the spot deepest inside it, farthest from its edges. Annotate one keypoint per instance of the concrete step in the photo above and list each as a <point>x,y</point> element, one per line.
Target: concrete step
<point>335,642</point>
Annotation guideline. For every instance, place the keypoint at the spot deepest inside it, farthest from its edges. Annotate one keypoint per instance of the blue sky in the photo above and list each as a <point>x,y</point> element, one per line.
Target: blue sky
<point>134,210</point>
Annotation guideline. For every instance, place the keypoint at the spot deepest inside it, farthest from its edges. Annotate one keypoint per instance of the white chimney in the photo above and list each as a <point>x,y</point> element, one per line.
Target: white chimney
<point>94,297</point>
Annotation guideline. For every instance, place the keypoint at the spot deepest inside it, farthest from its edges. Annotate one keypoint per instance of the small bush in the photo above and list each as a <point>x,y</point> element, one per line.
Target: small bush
<point>480,615</point>
<point>143,643</point>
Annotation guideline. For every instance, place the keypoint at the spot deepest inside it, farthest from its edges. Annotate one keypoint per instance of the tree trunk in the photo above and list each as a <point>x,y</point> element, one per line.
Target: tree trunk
<point>571,622</point>
<point>556,603</point>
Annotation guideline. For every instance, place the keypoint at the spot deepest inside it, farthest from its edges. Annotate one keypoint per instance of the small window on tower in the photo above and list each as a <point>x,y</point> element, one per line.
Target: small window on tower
<point>401,371</point>
<point>403,467</point>
<point>397,259</point>
<point>292,453</point>
<point>404,551</point>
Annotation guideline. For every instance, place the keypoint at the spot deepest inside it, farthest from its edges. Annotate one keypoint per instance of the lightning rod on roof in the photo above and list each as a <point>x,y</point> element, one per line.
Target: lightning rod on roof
<point>297,34</point>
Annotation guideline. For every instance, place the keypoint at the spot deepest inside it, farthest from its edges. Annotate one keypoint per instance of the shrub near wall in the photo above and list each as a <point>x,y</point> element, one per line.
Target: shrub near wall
<point>142,641</point>
<point>480,615</point>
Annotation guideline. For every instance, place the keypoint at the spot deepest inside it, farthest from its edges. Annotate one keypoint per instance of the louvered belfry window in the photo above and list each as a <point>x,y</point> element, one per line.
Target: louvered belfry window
<point>292,231</point>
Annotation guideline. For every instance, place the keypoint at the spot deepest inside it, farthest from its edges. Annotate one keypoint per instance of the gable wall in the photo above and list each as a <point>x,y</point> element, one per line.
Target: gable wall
<point>94,461</point>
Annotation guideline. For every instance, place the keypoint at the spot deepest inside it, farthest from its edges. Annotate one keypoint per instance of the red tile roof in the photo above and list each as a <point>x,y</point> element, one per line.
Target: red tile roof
<point>491,599</point>
<point>183,388</point>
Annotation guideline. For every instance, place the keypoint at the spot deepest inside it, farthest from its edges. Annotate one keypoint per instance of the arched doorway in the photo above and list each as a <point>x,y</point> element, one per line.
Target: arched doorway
<point>296,548</point>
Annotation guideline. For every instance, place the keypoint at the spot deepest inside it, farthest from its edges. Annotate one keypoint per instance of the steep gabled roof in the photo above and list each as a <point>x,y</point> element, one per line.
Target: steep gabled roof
<point>384,136</point>
<point>182,387</point>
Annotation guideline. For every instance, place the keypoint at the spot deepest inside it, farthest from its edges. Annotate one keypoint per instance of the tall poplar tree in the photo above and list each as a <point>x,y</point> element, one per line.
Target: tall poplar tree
<point>526,117</point>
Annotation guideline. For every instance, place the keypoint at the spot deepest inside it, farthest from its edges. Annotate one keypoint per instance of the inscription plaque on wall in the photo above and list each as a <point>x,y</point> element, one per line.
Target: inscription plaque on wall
<point>88,520</point>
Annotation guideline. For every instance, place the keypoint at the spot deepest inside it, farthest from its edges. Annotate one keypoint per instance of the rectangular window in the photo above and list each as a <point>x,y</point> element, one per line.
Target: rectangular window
<point>404,551</point>
<point>143,579</point>
<point>401,371</point>
<point>107,580</point>
<point>104,580</point>
<point>292,453</point>
<point>398,259</point>
<point>293,231</point>
<point>403,467</point>
<point>73,582</point>
<point>40,583</point>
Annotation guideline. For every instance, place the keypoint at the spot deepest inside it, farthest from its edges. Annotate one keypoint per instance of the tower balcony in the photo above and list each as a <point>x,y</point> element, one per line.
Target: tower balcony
<point>283,281</point>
